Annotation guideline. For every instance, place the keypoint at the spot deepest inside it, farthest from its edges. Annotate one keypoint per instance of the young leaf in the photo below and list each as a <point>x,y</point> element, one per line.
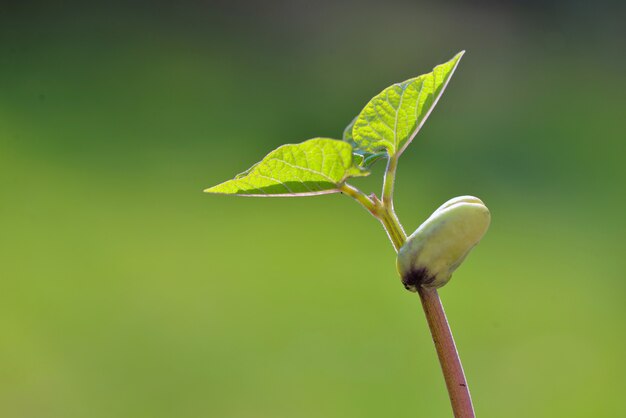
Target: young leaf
<point>391,119</point>
<point>363,159</point>
<point>316,166</point>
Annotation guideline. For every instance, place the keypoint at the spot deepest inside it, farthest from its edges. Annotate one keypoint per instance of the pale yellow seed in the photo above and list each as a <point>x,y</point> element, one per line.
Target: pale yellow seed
<point>437,248</point>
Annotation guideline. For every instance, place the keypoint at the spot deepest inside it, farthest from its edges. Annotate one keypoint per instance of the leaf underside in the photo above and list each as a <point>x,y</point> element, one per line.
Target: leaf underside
<point>390,121</point>
<point>316,166</point>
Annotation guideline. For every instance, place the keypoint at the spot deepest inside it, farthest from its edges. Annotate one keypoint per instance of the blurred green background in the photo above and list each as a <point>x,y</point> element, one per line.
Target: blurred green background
<point>127,292</point>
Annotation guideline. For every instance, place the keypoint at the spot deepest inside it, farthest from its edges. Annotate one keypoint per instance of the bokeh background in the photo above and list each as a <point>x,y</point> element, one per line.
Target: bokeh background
<point>127,292</point>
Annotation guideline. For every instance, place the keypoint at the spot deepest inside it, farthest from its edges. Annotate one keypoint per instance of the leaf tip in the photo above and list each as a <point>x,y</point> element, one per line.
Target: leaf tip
<point>213,190</point>
<point>458,57</point>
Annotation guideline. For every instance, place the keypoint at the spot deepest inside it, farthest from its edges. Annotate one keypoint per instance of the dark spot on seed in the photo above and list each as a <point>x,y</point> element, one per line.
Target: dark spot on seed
<point>416,278</point>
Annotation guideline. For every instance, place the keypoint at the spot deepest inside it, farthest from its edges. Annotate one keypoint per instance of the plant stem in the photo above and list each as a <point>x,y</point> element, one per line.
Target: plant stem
<point>392,226</point>
<point>389,182</point>
<point>449,359</point>
<point>451,366</point>
<point>360,197</point>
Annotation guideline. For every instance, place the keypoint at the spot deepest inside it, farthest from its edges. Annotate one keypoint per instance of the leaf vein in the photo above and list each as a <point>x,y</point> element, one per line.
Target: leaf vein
<point>298,167</point>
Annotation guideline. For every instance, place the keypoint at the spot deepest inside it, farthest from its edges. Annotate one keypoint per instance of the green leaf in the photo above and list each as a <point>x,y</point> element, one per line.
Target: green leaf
<point>370,159</point>
<point>316,166</point>
<point>391,119</point>
<point>362,158</point>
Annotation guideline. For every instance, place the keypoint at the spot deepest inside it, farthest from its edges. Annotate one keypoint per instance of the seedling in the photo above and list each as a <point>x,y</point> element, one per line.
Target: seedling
<point>382,131</point>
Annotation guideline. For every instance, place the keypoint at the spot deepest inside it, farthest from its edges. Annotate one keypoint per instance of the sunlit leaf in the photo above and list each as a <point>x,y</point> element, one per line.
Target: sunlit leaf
<point>390,121</point>
<point>316,166</point>
<point>363,159</point>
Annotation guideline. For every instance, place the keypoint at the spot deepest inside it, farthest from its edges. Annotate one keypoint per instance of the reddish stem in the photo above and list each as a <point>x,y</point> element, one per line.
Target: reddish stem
<point>448,356</point>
